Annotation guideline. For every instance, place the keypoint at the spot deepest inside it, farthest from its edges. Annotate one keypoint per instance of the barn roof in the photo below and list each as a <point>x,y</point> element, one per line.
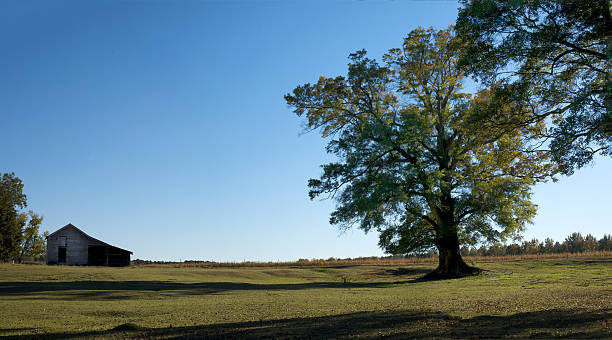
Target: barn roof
<point>69,225</point>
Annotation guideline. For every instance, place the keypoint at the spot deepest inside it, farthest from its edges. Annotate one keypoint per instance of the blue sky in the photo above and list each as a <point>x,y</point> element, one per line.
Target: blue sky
<point>160,126</point>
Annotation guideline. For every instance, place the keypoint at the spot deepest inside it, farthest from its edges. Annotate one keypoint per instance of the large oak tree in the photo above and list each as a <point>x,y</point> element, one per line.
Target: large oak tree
<point>417,158</point>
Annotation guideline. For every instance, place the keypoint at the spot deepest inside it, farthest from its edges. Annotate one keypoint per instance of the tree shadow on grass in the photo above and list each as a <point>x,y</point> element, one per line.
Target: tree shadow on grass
<point>18,329</point>
<point>116,289</point>
<point>596,261</point>
<point>393,324</point>
<point>407,271</point>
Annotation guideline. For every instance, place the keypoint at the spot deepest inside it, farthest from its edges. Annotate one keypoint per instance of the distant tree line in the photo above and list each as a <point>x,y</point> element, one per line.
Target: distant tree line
<point>575,243</point>
<point>139,262</point>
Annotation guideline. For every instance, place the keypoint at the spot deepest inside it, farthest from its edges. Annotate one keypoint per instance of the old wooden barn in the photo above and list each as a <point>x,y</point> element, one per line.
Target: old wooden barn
<point>70,245</point>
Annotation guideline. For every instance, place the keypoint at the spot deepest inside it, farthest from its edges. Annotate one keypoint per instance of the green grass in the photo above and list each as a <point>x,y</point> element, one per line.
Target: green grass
<point>531,298</point>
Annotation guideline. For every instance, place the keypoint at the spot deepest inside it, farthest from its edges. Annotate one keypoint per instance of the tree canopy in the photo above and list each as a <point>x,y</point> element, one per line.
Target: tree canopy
<point>553,56</point>
<point>19,231</point>
<point>416,160</point>
<point>33,243</point>
<point>12,198</point>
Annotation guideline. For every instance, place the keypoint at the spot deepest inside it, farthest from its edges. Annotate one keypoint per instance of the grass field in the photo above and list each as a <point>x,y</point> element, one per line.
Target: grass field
<point>543,298</point>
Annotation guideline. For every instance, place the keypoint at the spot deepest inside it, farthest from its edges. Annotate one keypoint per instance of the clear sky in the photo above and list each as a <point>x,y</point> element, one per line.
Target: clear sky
<point>160,126</point>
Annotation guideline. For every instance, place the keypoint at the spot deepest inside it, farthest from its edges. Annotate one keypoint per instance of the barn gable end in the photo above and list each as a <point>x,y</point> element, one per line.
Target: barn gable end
<point>71,246</point>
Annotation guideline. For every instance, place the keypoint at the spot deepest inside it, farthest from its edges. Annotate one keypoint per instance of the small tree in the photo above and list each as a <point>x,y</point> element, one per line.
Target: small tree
<point>33,244</point>
<point>605,243</point>
<point>575,243</point>
<point>416,159</point>
<point>590,243</point>
<point>11,199</point>
<point>549,245</point>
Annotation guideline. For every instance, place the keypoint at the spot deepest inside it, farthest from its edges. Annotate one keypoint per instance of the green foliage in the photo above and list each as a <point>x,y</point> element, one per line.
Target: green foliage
<point>11,199</point>
<point>575,243</point>
<point>19,236</point>
<point>33,244</point>
<point>418,158</point>
<point>553,57</point>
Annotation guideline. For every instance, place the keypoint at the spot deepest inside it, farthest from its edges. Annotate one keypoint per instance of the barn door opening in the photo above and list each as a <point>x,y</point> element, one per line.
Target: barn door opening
<point>96,255</point>
<point>61,255</point>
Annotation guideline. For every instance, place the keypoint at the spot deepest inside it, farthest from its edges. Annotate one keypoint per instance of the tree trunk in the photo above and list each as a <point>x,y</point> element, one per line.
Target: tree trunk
<point>450,262</point>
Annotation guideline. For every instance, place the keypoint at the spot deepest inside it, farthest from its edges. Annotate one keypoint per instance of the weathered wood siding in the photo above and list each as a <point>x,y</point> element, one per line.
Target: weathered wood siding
<point>76,246</point>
